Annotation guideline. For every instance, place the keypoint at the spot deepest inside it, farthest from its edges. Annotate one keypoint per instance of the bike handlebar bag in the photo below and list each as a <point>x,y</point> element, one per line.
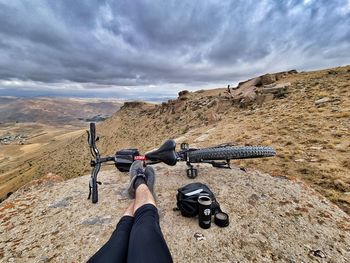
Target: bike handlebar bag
<point>124,158</point>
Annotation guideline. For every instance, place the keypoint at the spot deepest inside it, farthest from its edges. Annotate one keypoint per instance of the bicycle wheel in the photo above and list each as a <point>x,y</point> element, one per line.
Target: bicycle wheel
<point>230,152</point>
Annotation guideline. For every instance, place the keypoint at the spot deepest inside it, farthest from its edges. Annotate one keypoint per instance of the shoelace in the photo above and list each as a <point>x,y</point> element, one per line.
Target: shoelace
<point>139,171</point>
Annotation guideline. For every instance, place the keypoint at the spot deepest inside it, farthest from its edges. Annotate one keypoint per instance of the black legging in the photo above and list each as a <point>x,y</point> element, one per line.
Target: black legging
<point>136,239</point>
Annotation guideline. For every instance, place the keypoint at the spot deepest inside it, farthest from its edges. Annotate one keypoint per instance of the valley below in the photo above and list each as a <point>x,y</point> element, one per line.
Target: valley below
<point>21,144</point>
<point>28,126</point>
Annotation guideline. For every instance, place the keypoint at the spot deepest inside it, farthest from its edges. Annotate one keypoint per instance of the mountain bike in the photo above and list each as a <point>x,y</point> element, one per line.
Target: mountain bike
<point>218,156</point>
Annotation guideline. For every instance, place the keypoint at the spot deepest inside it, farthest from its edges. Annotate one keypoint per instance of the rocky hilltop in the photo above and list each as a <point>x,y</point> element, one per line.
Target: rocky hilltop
<point>304,116</point>
<point>271,219</point>
<point>276,214</point>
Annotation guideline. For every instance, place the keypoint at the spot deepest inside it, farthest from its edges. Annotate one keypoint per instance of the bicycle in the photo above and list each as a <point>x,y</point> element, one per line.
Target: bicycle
<point>218,156</point>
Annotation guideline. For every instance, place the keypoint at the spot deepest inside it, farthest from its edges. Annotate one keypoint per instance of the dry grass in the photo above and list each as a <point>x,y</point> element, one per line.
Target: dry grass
<point>19,163</point>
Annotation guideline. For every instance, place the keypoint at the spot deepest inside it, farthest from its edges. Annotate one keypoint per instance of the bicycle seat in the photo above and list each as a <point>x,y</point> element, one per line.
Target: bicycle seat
<point>166,153</point>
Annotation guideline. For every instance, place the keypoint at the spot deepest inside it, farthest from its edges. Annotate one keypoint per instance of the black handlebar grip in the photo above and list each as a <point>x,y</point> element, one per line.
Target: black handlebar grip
<point>92,131</point>
<point>94,195</point>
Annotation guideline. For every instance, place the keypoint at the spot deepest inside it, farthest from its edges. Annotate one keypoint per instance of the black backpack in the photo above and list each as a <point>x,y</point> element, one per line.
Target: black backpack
<point>187,199</point>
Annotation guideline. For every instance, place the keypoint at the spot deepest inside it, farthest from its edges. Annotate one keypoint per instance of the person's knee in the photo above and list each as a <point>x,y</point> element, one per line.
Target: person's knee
<point>146,210</point>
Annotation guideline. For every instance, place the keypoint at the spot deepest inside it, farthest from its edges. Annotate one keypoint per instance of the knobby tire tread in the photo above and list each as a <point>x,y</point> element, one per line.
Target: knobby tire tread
<point>231,152</point>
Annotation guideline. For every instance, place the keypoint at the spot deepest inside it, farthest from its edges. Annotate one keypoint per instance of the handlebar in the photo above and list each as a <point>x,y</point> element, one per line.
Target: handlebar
<point>166,154</point>
<point>101,160</point>
<point>93,139</point>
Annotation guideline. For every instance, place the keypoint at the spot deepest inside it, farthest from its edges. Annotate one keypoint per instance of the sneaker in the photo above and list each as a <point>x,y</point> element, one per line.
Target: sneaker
<point>136,169</point>
<point>151,179</point>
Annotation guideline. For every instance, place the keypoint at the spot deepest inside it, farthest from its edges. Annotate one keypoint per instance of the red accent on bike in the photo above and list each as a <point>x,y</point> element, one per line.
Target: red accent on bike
<point>140,158</point>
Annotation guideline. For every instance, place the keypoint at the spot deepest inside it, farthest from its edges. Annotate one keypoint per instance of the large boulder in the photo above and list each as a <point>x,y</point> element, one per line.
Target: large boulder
<point>244,96</point>
<point>183,92</point>
<point>268,79</point>
<point>272,91</point>
<point>250,82</point>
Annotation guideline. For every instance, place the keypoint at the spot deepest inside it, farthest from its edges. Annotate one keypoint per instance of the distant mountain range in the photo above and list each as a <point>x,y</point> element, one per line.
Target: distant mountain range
<point>55,110</point>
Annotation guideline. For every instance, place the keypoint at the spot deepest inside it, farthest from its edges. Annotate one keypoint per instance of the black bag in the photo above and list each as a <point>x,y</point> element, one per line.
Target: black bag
<point>124,158</point>
<point>187,199</point>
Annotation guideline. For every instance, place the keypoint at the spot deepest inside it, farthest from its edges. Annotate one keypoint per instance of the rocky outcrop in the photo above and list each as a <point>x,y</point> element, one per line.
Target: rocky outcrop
<point>271,219</point>
<point>249,83</point>
<point>250,95</point>
<point>133,104</point>
<point>261,89</point>
<point>183,93</point>
<point>268,79</point>
<point>265,79</point>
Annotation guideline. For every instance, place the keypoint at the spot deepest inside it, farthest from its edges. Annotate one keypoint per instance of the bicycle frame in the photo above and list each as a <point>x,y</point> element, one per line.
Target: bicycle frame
<point>162,155</point>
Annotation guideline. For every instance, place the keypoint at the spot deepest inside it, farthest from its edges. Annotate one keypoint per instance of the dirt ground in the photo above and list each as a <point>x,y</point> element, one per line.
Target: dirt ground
<point>272,219</point>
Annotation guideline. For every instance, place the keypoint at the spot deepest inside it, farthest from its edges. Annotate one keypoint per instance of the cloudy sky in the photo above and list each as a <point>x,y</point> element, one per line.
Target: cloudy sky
<point>153,49</point>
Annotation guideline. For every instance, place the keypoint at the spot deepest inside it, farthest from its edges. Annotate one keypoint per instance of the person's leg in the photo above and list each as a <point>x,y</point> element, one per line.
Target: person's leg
<point>116,248</point>
<point>146,243</point>
<point>143,197</point>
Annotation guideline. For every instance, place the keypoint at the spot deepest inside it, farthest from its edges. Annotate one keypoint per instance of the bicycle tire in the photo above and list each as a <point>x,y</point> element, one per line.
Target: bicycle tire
<point>230,152</point>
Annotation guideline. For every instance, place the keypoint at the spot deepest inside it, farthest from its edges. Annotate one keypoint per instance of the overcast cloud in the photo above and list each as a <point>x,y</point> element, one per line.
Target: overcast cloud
<point>143,49</point>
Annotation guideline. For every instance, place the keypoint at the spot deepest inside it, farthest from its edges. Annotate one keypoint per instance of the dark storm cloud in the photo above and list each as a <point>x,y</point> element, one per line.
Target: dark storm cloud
<point>158,47</point>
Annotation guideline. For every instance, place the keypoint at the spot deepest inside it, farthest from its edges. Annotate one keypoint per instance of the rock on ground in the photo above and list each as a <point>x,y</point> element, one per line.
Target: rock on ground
<point>271,219</point>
